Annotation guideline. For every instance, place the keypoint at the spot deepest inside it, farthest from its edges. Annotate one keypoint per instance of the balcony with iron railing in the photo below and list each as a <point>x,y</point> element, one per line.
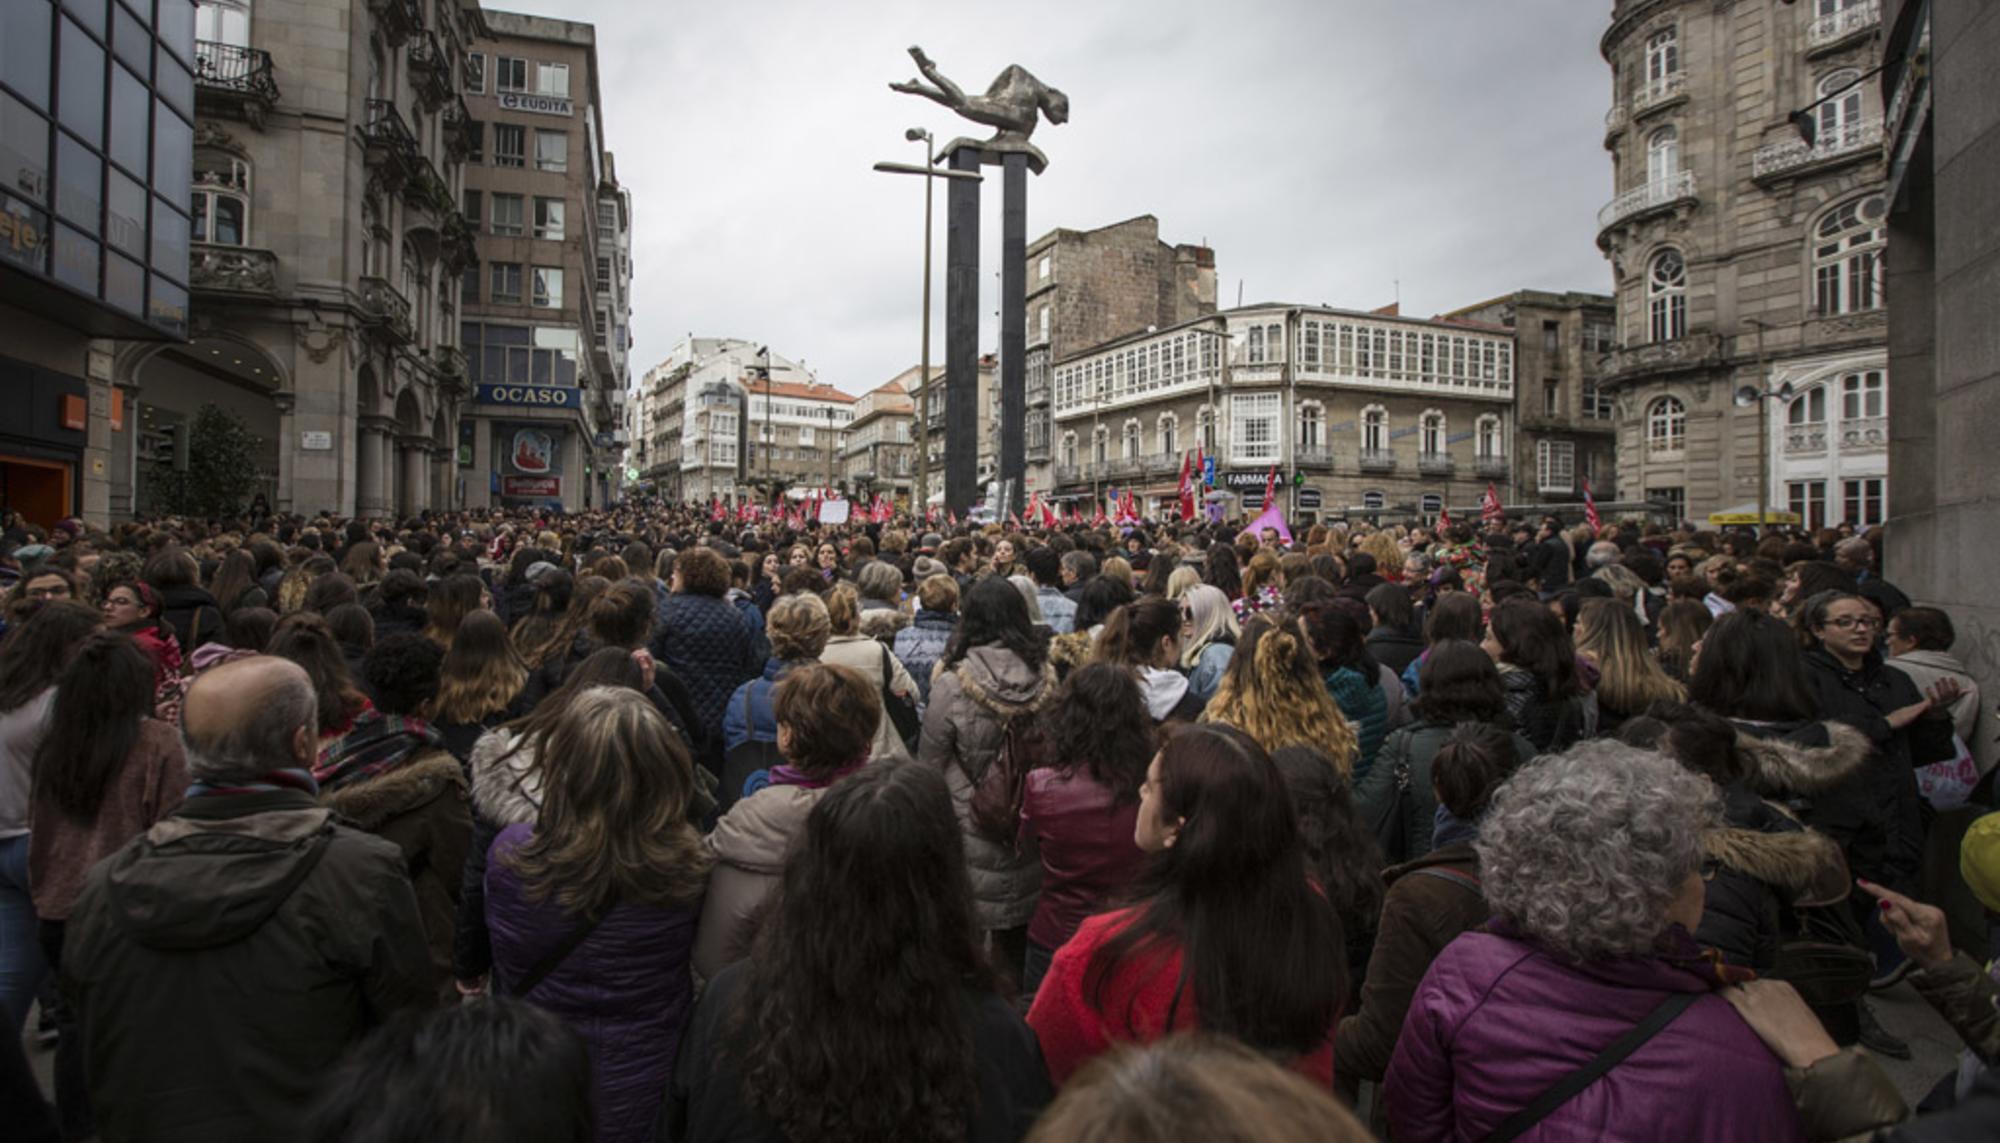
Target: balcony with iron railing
<point>1857,139</point>
<point>1124,466</point>
<point>1376,460</point>
<point>397,19</point>
<point>233,77</point>
<point>385,310</point>
<point>1830,31</point>
<point>1435,464</point>
<point>388,139</point>
<point>1659,94</point>
<point>460,135</point>
<point>1070,473</point>
<point>430,69</point>
<point>1490,467</point>
<point>1163,464</point>
<point>1652,197</point>
<point>233,270</point>
<point>1313,456</point>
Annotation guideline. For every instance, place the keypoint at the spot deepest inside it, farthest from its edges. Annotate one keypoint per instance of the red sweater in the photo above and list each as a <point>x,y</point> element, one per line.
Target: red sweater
<point>1136,1000</point>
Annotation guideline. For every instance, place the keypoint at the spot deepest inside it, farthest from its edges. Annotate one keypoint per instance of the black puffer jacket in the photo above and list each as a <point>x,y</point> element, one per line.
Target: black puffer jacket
<point>1553,725</point>
<point>1768,867</point>
<point>192,613</point>
<point>1862,699</point>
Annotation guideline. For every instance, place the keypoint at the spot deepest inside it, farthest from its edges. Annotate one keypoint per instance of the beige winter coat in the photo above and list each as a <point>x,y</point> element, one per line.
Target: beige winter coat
<point>868,657</point>
<point>750,844</point>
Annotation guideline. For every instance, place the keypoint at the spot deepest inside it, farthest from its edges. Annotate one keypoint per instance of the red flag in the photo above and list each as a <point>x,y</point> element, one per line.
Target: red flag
<point>1590,509</point>
<point>1489,507</point>
<point>1200,466</point>
<point>952,515</point>
<point>1097,519</point>
<point>1271,485</point>
<point>1186,495</point>
<point>1444,519</point>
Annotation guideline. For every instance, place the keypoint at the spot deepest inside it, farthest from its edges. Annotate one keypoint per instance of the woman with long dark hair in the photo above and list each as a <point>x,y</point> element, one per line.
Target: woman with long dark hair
<point>1220,569</point>
<point>31,660</point>
<point>1537,661</point>
<point>1339,641</point>
<point>994,672</point>
<point>1078,813</point>
<point>305,639</point>
<point>105,771</point>
<point>235,585</point>
<point>1341,852</point>
<point>1228,935</point>
<point>1144,637</point>
<point>613,868</point>
<point>450,601</point>
<point>480,684</point>
<point>1453,615</point>
<point>871,944</point>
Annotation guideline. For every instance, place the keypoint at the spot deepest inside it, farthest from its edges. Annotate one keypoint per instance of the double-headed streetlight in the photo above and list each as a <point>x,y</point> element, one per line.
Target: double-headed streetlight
<point>1761,396</point>
<point>921,502</point>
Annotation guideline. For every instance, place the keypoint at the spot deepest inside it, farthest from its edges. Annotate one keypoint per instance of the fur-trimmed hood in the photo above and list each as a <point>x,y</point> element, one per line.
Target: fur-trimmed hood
<point>1001,682</point>
<point>1070,651</point>
<point>505,790</point>
<point>1786,767</point>
<point>1803,864</point>
<point>373,801</point>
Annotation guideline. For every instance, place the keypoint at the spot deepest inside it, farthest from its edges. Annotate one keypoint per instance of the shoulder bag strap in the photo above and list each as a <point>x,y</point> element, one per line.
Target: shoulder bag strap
<point>541,969</point>
<point>1458,877</point>
<point>1567,1088</point>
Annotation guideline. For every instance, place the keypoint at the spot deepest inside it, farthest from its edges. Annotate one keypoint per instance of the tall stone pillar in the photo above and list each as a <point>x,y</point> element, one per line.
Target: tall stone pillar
<point>1013,329</point>
<point>961,335</point>
<point>416,483</point>
<point>371,482</point>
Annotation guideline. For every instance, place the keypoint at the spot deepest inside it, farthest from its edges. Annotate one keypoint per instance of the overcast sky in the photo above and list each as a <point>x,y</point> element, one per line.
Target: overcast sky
<point>1327,149</point>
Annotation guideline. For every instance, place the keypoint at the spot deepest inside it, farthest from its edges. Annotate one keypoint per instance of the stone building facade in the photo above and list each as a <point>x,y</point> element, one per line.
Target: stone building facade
<point>326,243</point>
<point>1359,413</point>
<point>1746,256</point>
<point>546,309</point>
<point>1086,287</point>
<point>879,454</point>
<point>1563,434</point>
<point>1942,88</point>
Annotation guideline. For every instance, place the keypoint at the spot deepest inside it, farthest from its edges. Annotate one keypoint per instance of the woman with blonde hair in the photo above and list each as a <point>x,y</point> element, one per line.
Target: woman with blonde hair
<point>1628,679</point>
<point>847,647</point>
<point>1184,577</point>
<point>1209,634</point>
<point>612,874</point>
<point>1273,693</point>
<point>1387,552</point>
<point>1120,569</point>
<point>480,683</point>
<point>1194,1087</point>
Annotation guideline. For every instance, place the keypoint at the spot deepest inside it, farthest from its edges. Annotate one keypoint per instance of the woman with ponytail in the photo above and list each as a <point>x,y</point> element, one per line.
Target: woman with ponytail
<point>1145,638</point>
<point>1273,693</point>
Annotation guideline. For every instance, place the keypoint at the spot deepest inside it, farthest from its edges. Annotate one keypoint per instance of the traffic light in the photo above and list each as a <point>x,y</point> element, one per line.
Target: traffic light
<point>1298,479</point>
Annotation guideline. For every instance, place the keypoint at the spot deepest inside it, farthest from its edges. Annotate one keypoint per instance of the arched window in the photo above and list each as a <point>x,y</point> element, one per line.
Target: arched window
<point>1100,445</point>
<point>1663,156</point>
<point>221,199</point>
<point>1170,434</point>
<point>1256,349</point>
<point>1433,433</point>
<point>1488,436</point>
<point>1663,54</point>
<point>1374,429</point>
<point>1312,426</point>
<point>1204,427</point>
<point>1840,115</point>
<point>1666,296</point>
<point>1069,450</point>
<point>1129,445</point>
<point>1666,425</point>
<point>1808,408</point>
<point>1847,258</point>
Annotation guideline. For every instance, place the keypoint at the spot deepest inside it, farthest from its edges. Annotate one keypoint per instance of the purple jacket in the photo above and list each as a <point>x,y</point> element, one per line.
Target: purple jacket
<point>626,989</point>
<point>1496,1022</point>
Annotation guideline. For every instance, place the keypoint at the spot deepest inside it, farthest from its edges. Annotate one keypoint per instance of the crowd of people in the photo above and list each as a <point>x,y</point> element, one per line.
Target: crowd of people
<point>639,825</point>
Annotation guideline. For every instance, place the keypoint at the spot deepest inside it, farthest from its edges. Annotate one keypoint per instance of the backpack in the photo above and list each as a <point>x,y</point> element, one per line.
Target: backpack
<point>747,766</point>
<point>996,794</point>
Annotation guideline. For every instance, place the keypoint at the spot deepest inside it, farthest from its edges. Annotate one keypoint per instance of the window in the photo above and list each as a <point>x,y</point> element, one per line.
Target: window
<point>603,273</point>
<point>1600,337</point>
<point>1204,427</point>
<point>1253,427</point>
<point>1847,259</point>
<point>475,73</point>
<point>551,150</point>
<point>1312,427</point>
<point>547,286</point>
<point>1555,466</point>
<point>1808,408</point>
<point>1069,450</point>
<point>1044,268</point>
<point>1666,294</point>
<point>510,145</point>
<point>510,74</point>
<point>1042,319</point>
<point>552,79</point>
<point>1840,113</point>
<point>805,435</point>
<point>1551,338</point>
<point>1100,444</point>
<point>548,218</point>
<point>1863,500</point>
<point>1663,156</point>
<point>1170,434</point>
<point>1256,347</point>
<point>473,209</point>
<point>1807,500</point>
<point>225,22</point>
<point>505,287</point>
<point>221,200</point>
<point>468,286</point>
<point>1129,441</point>
<point>1666,425</point>
<point>1673,501</point>
<point>508,214</point>
<point>1863,395</point>
<point>1432,433</point>
<point>1596,406</point>
<point>1663,54</point>
<point>1552,398</point>
<point>1488,436</point>
<point>1374,429</point>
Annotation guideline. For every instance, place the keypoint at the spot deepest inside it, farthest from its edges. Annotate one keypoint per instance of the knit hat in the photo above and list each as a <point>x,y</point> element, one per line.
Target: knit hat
<point>925,567</point>
<point>1979,860</point>
<point>540,568</point>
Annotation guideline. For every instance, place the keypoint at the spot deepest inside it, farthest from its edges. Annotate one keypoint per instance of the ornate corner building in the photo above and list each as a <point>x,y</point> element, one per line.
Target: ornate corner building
<point>1746,237</point>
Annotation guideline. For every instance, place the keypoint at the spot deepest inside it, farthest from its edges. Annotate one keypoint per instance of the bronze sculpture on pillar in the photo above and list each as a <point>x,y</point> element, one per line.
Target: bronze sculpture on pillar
<point>1014,104</point>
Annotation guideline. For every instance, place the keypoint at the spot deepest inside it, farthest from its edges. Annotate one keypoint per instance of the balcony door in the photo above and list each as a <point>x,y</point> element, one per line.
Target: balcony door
<point>1663,157</point>
<point>223,22</point>
<point>1841,113</point>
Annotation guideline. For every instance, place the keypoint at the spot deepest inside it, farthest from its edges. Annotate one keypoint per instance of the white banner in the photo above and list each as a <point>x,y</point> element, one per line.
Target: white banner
<point>833,511</point>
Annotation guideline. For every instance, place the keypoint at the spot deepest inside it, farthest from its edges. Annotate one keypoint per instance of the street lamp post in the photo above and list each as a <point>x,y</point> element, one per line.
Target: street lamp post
<point>930,173</point>
<point>1762,395</point>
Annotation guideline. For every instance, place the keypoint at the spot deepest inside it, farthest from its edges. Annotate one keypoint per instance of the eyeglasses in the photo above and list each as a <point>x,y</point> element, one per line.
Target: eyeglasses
<point>56,592</point>
<point>1851,622</point>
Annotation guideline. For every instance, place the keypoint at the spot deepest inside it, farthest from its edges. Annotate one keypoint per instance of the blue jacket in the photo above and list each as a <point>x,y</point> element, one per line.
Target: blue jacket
<point>1209,667</point>
<point>1366,707</point>
<point>762,724</point>
<point>920,645</point>
<point>747,607</point>
<point>1058,610</point>
<point>711,646</point>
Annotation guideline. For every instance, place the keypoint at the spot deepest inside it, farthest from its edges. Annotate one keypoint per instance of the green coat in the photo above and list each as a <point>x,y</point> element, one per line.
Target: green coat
<point>1413,746</point>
